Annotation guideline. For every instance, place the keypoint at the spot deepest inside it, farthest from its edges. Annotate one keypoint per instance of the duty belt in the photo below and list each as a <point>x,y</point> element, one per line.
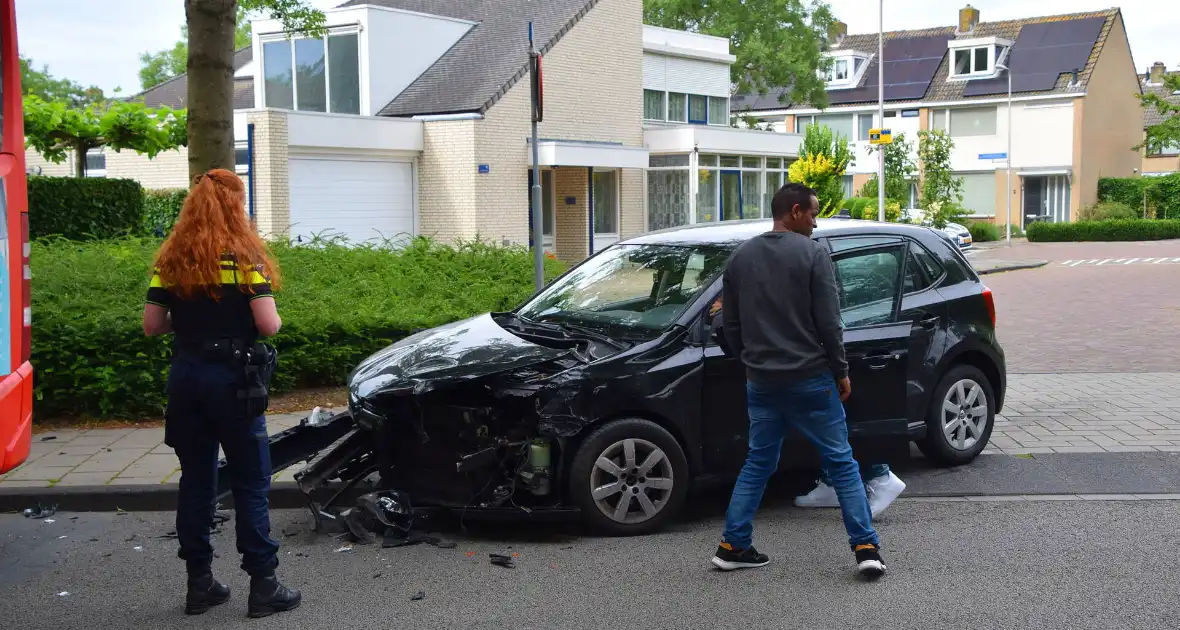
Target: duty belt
<point>223,349</point>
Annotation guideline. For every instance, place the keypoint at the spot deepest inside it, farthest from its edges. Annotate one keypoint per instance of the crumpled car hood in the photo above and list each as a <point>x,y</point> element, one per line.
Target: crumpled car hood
<point>461,350</point>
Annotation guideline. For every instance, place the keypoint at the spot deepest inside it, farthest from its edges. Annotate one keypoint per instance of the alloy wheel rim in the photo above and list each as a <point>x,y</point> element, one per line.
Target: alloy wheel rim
<point>964,415</point>
<point>631,481</point>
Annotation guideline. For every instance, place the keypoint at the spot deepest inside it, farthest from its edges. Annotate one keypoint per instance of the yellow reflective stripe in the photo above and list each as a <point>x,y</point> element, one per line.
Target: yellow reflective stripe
<point>157,282</point>
<point>232,277</point>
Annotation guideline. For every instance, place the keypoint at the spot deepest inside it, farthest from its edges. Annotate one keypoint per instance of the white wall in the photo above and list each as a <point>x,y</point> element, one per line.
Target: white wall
<point>1042,137</point>
<point>866,162</point>
<point>656,38</point>
<point>400,46</point>
<point>345,132</point>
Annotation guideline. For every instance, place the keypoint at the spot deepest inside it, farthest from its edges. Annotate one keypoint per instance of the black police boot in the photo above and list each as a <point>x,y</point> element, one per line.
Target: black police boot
<point>268,596</point>
<point>204,592</point>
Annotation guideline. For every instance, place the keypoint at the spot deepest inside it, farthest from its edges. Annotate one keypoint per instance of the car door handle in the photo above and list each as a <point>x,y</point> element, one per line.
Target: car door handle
<point>930,322</point>
<point>881,361</point>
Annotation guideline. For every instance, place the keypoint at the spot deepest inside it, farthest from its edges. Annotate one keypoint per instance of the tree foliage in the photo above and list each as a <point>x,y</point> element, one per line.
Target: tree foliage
<point>824,157</point>
<point>158,67</point>
<point>941,193</point>
<point>55,128</point>
<point>900,170</point>
<point>778,43</point>
<point>50,88</point>
<point>1165,135</point>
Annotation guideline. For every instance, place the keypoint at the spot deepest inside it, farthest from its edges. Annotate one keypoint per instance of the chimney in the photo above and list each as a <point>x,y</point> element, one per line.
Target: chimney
<point>1157,72</point>
<point>968,18</point>
<point>836,32</point>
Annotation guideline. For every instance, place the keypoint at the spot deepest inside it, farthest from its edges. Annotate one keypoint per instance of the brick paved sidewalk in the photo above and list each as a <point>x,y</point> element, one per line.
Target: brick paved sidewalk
<point>1044,413</point>
<point>114,457</point>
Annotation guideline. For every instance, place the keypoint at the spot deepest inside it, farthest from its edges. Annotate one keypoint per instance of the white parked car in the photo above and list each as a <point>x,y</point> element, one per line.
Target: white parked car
<point>959,234</point>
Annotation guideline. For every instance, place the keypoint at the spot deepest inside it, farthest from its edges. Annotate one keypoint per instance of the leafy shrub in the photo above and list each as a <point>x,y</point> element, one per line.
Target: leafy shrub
<point>856,206</point>
<point>1113,230</point>
<point>982,232</point>
<point>1161,194</point>
<point>338,304</point>
<point>160,210</point>
<point>1107,210</point>
<point>84,208</point>
<point>892,211</point>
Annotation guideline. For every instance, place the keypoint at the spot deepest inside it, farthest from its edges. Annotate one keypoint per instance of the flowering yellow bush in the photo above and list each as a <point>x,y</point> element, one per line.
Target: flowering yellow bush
<point>820,173</point>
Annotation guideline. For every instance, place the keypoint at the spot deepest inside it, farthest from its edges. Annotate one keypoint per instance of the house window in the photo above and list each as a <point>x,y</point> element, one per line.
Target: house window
<point>974,121</point>
<point>838,73</point>
<point>979,193</point>
<point>317,75</point>
<point>972,61</point>
<point>677,107</point>
<point>698,109</point>
<point>864,124</point>
<point>838,123</point>
<point>241,160</point>
<point>654,107</point>
<point>718,110</point>
<point>1172,148</point>
<point>96,163</point>
<point>844,70</point>
<point>801,123</point>
<point>938,120</point>
<point>606,203</point>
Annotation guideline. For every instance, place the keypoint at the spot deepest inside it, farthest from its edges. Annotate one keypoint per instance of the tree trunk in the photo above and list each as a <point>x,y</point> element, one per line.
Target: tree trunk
<point>80,150</point>
<point>211,25</point>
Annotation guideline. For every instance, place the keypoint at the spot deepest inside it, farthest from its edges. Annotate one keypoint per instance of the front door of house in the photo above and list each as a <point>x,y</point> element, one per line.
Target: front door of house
<point>549,222</point>
<point>604,195</point>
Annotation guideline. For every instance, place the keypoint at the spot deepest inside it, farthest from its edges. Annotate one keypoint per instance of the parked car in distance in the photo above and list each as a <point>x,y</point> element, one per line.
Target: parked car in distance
<point>608,393</point>
<point>959,234</point>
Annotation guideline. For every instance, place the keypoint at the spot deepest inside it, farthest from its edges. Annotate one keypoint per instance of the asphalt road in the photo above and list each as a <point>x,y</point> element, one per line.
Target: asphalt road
<point>1043,565</point>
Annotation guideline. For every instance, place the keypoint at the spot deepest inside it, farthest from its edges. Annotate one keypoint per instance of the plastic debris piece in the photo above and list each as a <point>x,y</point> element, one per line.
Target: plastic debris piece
<point>48,438</point>
<point>421,595</point>
<point>139,548</point>
<point>40,511</point>
<point>60,537</point>
<point>319,417</point>
<point>356,523</point>
<point>64,594</point>
<point>49,521</point>
<point>344,548</point>
<point>220,516</point>
<point>502,560</point>
<point>390,508</point>
<point>377,575</point>
<point>446,544</point>
<point>470,554</point>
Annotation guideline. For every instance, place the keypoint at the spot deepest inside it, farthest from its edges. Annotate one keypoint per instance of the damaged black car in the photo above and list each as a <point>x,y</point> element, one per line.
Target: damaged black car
<point>608,394</point>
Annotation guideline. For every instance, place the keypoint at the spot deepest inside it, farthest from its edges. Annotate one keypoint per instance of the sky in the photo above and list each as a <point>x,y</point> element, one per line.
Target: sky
<point>99,42</point>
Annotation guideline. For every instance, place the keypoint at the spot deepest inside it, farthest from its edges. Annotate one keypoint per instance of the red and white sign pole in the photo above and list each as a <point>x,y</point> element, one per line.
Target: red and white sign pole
<point>538,220</point>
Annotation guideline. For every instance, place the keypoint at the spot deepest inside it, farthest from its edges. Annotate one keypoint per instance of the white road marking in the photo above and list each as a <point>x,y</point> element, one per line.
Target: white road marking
<point>1130,261</point>
<point>1077,263</point>
<point>1067,262</point>
<point>1105,261</point>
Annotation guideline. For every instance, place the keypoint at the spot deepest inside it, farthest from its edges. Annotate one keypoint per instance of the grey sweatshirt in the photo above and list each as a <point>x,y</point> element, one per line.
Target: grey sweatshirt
<point>781,309</point>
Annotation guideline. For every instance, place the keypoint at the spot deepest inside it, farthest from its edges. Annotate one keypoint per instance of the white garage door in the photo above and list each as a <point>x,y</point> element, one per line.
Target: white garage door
<point>361,200</point>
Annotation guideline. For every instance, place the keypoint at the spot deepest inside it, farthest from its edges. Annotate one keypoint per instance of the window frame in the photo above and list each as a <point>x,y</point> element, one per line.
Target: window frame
<point>663,105</point>
<point>899,280</point>
<point>913,246</point>
<point>291,39</point>
<point>97,172</point>
<point>683,112</point>
<point>972,51</point>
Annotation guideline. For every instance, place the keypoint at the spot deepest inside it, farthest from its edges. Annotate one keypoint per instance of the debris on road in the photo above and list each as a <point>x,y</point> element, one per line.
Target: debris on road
<point>344,548</point>
<point>63,594</point>
<point>137,548</point>
<point>502,560</point>
<point>41,511</point>
<point>421,595</point>
<point>48,438</point>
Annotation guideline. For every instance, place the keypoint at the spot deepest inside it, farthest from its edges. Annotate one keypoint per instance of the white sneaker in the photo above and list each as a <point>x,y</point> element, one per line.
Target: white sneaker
<point>823,496</point>
<point>882,491</point>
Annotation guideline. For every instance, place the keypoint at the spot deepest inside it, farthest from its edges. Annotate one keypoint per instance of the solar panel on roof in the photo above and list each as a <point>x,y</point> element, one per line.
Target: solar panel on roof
<point>1042,52</point>
<point>910,64</point>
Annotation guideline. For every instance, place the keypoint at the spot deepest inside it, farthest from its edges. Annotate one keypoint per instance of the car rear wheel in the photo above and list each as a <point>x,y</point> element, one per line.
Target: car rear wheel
<point>629,477</point>
<point>961,417</point>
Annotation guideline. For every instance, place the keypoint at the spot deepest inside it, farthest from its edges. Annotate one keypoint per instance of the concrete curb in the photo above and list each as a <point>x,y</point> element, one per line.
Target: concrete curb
<point>1031,264</point>
<point>144,498</point>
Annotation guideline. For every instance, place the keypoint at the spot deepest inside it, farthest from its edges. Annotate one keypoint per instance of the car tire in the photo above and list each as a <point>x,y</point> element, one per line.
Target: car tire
<point>614,481</point>
<point>948,435</point>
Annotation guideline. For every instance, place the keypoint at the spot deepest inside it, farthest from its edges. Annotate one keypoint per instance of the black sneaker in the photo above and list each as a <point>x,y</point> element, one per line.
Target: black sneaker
<point>869,562</point>
<point>728,559</point>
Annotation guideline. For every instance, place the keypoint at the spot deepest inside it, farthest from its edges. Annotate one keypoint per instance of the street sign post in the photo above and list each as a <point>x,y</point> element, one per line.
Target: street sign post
<point>538,226</point>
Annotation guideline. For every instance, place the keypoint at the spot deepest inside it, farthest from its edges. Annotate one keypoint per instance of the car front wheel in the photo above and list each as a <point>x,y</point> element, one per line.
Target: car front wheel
<point>629,477</point>
<point>961,417</point>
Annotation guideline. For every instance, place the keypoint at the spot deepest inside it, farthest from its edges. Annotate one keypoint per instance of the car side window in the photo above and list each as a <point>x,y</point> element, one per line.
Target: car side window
<point>916,278</point>
<point>868,282</point>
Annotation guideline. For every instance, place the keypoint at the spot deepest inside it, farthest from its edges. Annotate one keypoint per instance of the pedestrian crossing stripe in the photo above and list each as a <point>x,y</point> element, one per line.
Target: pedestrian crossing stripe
<point>1097,262</point>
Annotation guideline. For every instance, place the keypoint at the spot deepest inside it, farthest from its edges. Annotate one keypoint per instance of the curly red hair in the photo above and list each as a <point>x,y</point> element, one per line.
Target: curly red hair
<point>213,224</point>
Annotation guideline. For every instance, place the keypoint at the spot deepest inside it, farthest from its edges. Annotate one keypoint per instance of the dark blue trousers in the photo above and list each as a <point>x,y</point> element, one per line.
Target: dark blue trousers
<point>203,412</point>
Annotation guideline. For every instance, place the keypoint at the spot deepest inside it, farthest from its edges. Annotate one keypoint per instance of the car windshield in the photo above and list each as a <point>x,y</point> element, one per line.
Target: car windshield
<point>630,289</point>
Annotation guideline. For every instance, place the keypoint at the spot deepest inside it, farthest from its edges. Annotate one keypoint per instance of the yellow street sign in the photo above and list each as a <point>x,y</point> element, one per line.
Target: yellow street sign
<point>880,136</point>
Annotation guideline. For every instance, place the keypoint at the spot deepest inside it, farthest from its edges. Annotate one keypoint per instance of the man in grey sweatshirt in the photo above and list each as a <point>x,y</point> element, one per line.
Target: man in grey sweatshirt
<point>781,315</point>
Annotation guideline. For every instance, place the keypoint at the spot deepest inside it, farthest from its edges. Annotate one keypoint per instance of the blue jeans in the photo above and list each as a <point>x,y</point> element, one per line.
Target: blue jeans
<point>873,471</point>
<point>202,413</point>
<point>813,407</point>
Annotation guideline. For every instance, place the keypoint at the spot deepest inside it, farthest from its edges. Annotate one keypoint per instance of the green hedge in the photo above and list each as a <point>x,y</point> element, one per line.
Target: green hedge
<point>983,232</point>
<point>84,208</point>
<point>1162,194</point>
<point>1114,230</point>
<point>338,306</point>
<point>160,210</point>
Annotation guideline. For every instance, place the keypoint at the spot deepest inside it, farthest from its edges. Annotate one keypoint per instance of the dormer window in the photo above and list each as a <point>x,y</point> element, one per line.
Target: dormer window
<point>846,68</point>
<point>977,58</point>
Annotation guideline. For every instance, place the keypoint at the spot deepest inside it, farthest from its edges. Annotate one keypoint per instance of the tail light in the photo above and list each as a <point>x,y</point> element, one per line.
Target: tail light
<point>991,305</point>
<point>26,279</point>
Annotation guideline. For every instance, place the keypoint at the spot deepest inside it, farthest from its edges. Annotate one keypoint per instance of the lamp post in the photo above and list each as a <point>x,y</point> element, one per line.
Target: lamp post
<point>881,110</point>
<point>1008,158</point>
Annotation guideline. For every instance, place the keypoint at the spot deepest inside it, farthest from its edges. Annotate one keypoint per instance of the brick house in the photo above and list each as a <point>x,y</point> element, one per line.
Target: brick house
<point>413,117</point>
<point>1167,160</point>
<point>1074,112</point>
